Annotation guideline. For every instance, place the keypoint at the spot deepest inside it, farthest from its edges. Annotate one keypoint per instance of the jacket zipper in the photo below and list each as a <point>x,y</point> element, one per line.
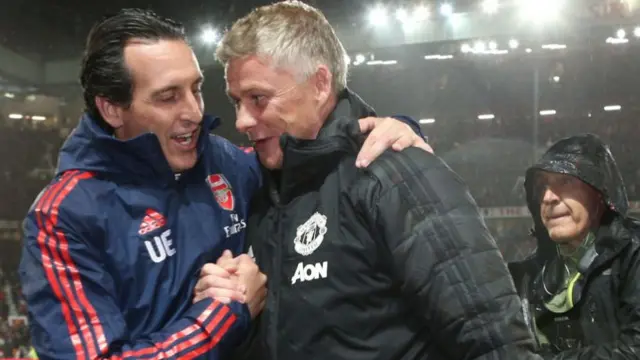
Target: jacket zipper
<point>275,286</point>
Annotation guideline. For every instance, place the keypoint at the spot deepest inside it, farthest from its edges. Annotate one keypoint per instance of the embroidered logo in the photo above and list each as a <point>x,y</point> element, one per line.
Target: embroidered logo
<point>310,235</point>
<point>152,220</point>
<point>221,189</point>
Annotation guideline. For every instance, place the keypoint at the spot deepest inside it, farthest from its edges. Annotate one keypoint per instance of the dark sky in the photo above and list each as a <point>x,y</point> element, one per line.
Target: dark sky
<point>57,29</point>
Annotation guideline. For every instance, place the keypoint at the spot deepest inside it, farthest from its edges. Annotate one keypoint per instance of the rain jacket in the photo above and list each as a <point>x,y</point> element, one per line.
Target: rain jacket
<point>114,245</point>
<point>389,263</point>
<point>604,320</point>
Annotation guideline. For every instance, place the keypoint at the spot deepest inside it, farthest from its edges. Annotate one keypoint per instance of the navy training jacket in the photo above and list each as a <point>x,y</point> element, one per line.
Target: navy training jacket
<point>114,244</point>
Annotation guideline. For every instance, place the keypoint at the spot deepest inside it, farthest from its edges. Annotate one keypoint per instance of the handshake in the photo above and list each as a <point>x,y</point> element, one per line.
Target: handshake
<point>233,279</point>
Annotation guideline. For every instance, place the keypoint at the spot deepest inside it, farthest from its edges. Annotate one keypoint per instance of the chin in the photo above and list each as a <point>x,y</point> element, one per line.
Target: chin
<point>271,162</point>
<point>180,165</point>
<point>561,235</point>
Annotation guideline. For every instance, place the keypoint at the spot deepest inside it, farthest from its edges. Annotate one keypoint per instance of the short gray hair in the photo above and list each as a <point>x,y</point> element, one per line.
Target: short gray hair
<point>291,34</point>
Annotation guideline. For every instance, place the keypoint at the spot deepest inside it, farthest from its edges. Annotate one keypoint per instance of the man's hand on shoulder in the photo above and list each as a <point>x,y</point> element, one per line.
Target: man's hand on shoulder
<point>385,133</point>
<point>233,279</point>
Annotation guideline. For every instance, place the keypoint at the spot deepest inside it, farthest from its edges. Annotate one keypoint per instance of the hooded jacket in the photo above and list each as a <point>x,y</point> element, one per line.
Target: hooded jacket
<point>114,245</point>
<point>604,319</point>
<point>389,263</point>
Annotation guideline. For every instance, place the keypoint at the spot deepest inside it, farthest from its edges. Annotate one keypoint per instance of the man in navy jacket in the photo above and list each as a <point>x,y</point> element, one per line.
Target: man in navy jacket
<point>144,199</point>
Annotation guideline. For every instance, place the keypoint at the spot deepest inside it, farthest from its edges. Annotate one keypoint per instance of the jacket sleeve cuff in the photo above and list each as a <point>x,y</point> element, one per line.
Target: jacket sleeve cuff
<point>243,322</point>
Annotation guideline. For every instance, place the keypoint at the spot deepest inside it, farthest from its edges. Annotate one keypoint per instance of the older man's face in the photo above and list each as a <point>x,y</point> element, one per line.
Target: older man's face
<point>568,208</point>
<point>269,102</point>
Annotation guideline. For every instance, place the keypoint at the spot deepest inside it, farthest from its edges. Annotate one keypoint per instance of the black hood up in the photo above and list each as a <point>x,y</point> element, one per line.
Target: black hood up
<point>590,160</point>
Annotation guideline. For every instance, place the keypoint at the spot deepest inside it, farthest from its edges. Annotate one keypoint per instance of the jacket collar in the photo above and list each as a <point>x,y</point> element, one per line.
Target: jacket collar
<point>139,160</point>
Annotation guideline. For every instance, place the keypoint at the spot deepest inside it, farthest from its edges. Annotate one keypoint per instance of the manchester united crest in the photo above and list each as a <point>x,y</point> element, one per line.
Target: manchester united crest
<point>310,235</point>
<point>221,189</point>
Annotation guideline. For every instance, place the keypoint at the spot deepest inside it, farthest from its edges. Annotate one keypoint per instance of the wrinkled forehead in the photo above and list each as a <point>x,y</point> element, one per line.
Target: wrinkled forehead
<point>256,73</point>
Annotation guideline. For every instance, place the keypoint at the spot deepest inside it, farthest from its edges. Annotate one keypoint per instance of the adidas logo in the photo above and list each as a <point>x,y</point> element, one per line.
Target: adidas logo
<point>151,221</point>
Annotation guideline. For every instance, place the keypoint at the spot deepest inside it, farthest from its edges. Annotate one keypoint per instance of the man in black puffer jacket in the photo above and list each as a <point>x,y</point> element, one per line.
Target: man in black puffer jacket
<point>391,262</point>
<point>581,289</point>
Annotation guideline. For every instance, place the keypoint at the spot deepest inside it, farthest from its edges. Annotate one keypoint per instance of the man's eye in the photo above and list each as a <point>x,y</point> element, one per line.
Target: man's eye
<point>167,98</point>
<point>257,98</point>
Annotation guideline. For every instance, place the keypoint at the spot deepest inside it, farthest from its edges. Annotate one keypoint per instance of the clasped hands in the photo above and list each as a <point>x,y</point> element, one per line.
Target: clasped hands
<point>233,279</point>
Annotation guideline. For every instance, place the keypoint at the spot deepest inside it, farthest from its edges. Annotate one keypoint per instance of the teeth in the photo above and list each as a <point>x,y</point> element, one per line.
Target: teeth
<point>185,139</point>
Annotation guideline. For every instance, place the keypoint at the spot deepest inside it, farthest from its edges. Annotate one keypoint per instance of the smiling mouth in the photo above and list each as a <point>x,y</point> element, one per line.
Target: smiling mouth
<point>261,141</point>
<point>186,139</point>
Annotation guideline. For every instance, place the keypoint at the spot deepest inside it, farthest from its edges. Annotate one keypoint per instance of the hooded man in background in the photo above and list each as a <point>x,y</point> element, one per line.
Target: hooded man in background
<point>580,290</point>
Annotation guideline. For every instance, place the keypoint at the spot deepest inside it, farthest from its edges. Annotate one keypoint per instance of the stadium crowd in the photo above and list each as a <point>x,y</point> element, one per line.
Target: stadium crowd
<point>14,333</point>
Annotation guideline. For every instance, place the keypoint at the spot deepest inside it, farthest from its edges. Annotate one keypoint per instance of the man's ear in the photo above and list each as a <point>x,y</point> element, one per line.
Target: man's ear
<point>110,112</point>
<point>323,83</point>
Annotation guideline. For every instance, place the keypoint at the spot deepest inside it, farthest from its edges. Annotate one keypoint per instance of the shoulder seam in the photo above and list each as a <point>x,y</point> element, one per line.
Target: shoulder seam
<point>52,197</point>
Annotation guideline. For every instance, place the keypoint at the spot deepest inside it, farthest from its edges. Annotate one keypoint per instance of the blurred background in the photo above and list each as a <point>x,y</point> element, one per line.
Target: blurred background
<point>493,84</point>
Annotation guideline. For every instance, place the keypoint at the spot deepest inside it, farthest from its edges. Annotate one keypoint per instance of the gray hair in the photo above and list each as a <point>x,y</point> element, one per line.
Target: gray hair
<point>293,35</point>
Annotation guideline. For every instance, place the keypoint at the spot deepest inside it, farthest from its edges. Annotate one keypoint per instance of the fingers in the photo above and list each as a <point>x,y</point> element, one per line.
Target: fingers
<point>409,141</point>
<point>212,281</point>
<point>412,140</point>
<point>245,260</point>
<point>382,136</point>
<point>215,282</point>
<point>228,262</point>
<point>214,270</point>
<point>424,146</point>
<point>386,133</point>
<point>226,255</point>
<point>244,284</point>
<point>246,265</point>
<point>225,296</point>
<point>367,124</point>
<point>403,143</point>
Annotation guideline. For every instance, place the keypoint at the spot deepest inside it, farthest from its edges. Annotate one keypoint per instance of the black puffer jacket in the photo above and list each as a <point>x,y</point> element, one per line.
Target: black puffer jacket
<point>604,322</point>
<point>389,263</point>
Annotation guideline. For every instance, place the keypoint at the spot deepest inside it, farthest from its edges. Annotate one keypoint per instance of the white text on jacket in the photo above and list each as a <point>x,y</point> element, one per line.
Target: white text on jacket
<point>237,225</point>
<point>163,247</point>
<point>310,272</point>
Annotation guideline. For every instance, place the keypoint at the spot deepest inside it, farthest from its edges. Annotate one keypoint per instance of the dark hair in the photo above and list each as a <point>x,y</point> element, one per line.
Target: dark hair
<point>104,72</point>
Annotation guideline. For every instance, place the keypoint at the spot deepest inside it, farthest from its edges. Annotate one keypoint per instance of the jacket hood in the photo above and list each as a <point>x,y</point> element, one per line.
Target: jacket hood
<point>90,147</point>
<point>587,158</point>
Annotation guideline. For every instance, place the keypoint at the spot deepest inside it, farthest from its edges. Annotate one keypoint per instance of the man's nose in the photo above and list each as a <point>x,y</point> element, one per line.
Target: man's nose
<point>549,196</point>
<point>244,119</point>
<point>193,108</point>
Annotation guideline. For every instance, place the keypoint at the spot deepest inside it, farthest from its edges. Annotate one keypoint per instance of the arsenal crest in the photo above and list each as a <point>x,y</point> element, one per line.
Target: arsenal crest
<point>222,191</point>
